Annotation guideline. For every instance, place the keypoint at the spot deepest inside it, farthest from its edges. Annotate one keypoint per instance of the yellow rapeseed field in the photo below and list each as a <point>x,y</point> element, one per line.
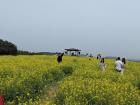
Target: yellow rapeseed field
<point>40,80</point>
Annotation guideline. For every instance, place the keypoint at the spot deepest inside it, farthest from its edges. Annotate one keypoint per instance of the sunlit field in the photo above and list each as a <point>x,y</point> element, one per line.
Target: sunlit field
<point>40,80</point>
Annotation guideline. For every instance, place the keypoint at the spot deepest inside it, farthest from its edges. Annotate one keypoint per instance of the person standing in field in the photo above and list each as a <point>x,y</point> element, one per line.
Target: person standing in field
<point>124,61</point>
<point>59,58</point>
<point>119,65</point>
<point>102,64</point>
<point>99,56</point>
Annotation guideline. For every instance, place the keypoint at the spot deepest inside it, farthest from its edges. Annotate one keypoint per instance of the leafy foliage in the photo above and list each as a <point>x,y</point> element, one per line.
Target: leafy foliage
<point>7,48</point>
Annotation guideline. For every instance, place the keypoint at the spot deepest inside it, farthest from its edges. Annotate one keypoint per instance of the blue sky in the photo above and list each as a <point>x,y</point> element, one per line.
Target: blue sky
<point>110,27</point>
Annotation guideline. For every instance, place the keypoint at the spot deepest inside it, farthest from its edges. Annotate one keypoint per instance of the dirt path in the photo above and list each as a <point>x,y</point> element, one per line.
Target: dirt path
<point>49,94</point>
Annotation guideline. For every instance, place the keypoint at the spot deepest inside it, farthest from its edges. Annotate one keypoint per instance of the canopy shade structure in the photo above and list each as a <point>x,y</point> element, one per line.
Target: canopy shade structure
<point>72,51</point>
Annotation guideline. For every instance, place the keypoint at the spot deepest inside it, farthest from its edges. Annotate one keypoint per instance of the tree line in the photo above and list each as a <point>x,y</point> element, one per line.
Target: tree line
<point>8,48</point>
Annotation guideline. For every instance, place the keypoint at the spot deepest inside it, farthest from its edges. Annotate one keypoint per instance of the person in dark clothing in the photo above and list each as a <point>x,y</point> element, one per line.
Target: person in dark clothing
<point>99,56</point>
<point>59,58</point>
<point>124,60</point>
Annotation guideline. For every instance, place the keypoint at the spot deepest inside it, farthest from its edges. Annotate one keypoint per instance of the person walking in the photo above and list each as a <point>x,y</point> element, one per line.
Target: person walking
<point>59,58</point>
<point>124,61</point>
<point>102,64</point>
<point>119,65</point>
<point>99,56</point>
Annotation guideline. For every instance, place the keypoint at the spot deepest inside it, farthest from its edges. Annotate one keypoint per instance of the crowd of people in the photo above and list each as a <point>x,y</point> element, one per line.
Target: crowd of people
<point>119,63</point>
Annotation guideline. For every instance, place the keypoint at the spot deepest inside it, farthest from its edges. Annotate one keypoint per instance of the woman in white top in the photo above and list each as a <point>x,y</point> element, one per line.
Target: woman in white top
<point>102,64</point>
<point>119,65</point>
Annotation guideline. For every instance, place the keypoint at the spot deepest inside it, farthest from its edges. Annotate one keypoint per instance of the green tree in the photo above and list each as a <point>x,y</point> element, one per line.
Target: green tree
<point>7,48</point>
